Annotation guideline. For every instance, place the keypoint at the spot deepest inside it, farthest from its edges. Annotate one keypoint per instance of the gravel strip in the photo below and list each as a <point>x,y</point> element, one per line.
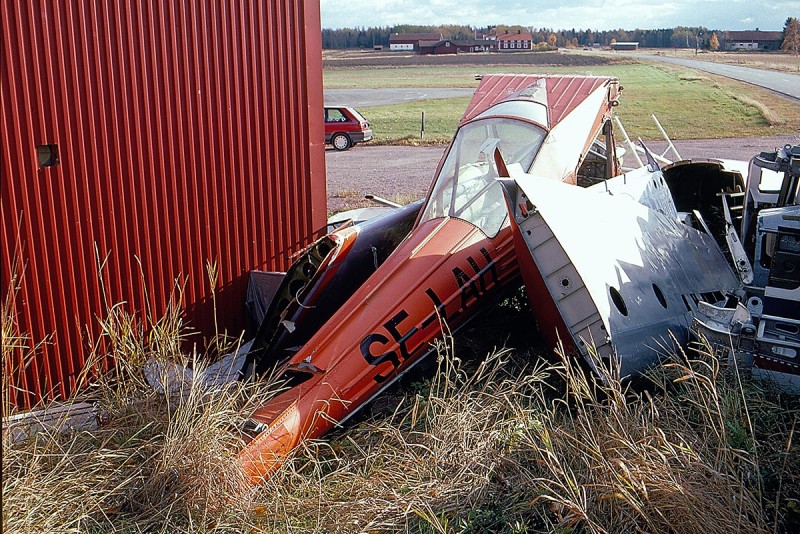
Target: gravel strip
<point>404,173</point>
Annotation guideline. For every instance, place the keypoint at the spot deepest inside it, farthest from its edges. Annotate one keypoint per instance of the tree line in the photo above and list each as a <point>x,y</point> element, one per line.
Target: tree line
<point>679,37</point>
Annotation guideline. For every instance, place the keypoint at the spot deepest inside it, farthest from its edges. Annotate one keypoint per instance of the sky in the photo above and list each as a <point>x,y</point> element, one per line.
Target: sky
<point>563,14</point>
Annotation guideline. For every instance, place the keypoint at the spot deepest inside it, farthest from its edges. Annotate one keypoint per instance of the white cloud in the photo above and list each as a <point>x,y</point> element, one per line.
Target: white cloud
<point>608,14</point>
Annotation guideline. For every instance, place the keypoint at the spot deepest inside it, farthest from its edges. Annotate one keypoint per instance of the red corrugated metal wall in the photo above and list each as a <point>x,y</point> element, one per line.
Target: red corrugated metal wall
<point>186,131</point>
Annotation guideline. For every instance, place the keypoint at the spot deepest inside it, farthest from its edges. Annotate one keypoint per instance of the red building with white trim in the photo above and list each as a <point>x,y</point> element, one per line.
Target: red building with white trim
<point>514,42</point>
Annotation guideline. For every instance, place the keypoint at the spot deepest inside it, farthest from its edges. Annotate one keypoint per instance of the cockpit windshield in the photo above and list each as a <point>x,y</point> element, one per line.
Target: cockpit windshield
<point>466,187</point>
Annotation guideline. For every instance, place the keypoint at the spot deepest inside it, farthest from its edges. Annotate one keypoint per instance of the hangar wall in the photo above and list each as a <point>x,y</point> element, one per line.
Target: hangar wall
<point>141,140</point>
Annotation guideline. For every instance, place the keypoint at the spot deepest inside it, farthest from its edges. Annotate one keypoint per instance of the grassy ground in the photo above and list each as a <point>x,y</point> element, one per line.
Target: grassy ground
<point>689,104</point>
<point>505,443</point>
<point>361,59</point>
<point>398,124</point>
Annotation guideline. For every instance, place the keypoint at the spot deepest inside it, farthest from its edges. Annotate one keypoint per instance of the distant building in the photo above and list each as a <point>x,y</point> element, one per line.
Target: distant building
<point>399,42</point>
<point>751,40</point>
<point>480,45</point>
<point>625,45</point>
<point>514,42</point>
<point>449,46</point>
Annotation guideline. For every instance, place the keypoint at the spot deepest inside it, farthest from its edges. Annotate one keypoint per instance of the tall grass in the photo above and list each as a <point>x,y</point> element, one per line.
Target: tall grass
<point>509,443</point>
<point>771,117</point>
<point>16,350</point>
<point>533,446</point>
<point>158,461</point>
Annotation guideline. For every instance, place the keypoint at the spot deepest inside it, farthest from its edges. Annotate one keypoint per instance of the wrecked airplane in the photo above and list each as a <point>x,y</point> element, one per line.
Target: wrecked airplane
<point>619,268</point>
<point>623,271</point>
<point>458,257</point>
<point>758,326</point>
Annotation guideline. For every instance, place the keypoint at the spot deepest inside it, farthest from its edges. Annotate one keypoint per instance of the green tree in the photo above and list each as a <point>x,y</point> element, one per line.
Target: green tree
<point>791,36</point>
<point>681,37</point>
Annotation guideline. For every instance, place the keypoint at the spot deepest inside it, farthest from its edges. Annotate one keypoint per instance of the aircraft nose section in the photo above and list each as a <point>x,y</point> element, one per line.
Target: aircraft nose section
<point>270,448</point>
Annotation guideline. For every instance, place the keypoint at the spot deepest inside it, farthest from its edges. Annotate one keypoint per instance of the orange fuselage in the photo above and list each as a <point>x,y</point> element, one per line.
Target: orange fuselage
<point>437,276</point>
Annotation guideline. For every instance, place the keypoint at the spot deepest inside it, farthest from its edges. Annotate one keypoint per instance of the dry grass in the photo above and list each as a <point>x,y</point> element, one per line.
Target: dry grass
<point>771,117</point>
<point>508,443</point>
<point>542,448</point>
<point>15,346</point>
<point>158,461</point>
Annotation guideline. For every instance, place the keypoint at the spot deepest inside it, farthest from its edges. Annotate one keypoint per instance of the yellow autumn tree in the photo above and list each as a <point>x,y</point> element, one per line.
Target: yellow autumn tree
<point>791,36</point>
<point>713,43</point>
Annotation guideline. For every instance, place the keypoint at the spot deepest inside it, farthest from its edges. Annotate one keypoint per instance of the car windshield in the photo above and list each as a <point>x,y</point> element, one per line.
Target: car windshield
<point>466,187</point>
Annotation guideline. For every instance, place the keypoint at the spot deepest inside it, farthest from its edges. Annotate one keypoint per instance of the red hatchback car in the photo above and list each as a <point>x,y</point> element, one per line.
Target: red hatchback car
<point>345,127</point>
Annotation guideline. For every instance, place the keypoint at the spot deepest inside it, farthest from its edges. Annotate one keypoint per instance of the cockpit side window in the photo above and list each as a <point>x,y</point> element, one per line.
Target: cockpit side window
<point>466,187</point>
<point>770,181</point>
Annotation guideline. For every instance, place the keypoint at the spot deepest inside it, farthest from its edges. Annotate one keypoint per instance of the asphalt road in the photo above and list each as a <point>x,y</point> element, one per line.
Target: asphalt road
<point>780,82</point>
<point>362,98</point>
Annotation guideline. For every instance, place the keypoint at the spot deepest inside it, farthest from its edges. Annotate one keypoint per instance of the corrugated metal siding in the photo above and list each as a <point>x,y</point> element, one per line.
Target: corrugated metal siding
<point>187,131</point>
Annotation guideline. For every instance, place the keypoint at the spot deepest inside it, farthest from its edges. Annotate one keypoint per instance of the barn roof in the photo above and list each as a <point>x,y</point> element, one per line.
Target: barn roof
<point>515,37</point>
<point>414,37</point>
<point>752,36</point>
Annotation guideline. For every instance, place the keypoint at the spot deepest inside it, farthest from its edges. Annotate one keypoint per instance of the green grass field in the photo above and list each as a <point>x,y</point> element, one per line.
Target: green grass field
<point>401,122</point>
<point>689,104</point>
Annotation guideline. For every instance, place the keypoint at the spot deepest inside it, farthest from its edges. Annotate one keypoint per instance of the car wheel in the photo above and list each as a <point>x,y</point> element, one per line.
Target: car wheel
<point>341,141</point>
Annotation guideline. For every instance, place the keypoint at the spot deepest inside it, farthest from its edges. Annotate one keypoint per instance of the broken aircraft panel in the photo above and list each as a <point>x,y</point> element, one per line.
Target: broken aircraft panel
<point>614,269</point>
<point>322,279</point>
<point>703,247</point>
